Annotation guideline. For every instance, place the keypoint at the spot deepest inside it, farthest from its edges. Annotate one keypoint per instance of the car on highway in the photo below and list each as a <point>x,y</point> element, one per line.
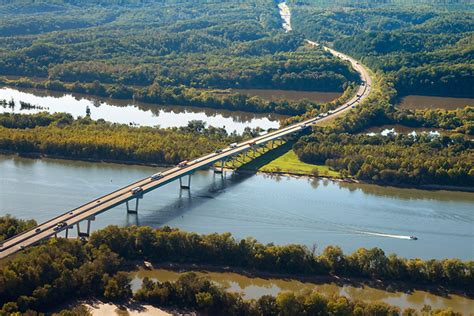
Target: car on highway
<point>183,164</point>
<point>21,247</point>
<point>136,190</point>
<point>156,176</point>
<point>233,145</point>
<point>37,230</point>
<point>60,225</point>
<point>303,126</point>
<point>218,151</point>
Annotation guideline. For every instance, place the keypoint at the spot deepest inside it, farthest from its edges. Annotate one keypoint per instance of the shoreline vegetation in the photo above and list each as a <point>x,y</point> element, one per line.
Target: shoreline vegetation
<point>35,136</point>
<point>53,270</point>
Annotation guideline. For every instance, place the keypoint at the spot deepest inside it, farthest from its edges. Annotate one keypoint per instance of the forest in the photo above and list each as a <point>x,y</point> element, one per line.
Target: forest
<point>424,49</point>
<point>59,269</point>
<point>62,135</point>
<point>164,52</point>
<point>393,159</point>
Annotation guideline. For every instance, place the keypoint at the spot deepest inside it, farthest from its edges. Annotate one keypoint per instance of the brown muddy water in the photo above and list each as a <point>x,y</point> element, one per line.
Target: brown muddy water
<point>255,287</point>
<point>273,94</point>
<point>420,102</point>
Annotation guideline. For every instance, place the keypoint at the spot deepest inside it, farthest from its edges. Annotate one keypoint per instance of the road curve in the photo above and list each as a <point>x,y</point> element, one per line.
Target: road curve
<point>120,196</point>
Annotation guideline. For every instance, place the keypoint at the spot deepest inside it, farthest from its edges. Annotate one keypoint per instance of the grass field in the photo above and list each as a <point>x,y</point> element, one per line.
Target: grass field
<point>289,163</point>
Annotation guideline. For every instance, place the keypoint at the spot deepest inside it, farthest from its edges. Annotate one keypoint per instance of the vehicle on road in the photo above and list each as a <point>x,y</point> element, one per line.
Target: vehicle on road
<point>136,190</point>
<point>233,145</point>
<point>148,265</point>
<point>183,164</point>
<point>156,176</point>
<point>37,230</point>
<point>413,238</point>
<point>218,151</point>
<point>21,247</point>
<point>59,226</point>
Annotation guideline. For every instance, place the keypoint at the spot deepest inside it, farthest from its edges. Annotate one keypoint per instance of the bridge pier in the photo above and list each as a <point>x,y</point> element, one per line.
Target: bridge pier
<point>88,231</point>
<point>221,168</point>
<point>67,231</point>
<point>134,210</point>
<point>184,186</point>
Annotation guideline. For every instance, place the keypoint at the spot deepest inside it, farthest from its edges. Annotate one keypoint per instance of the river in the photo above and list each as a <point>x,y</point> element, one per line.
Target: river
<point>126,112</point>
<point>272,209</point>
<point>255,287</point>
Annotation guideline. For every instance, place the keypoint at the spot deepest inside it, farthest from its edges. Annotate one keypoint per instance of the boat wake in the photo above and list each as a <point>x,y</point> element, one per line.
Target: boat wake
<point>384,235</point>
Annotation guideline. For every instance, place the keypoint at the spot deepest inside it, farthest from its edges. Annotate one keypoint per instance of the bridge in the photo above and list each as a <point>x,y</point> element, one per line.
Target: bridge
<point>131,194</point>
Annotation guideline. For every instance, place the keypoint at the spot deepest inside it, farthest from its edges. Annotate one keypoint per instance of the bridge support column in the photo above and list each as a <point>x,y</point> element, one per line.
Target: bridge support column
<point>85,234</point>
<point>221,168</point>
<point>184,186</point>
<point>131,210</point>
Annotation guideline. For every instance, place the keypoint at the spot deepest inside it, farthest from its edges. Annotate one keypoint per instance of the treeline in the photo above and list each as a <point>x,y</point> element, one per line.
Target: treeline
<point>11,226</point>
<point>60,269</point>
<point>308,70</point>
<point>393,159</point>
<point>62,135</point>
<point>55,272</point>
<point>171,245</point>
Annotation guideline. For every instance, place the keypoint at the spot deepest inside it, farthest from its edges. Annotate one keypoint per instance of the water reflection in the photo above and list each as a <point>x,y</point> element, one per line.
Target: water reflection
<point>430,102</point>
<point>255,287</point>
<point>274,95</point>
<point>125,112</point>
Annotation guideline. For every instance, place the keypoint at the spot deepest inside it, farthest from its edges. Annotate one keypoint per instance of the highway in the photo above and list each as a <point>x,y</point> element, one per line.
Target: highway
<point>122,195</point>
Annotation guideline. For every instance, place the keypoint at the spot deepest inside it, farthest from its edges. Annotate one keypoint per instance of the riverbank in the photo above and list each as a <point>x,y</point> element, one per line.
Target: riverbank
<point>99,308</point>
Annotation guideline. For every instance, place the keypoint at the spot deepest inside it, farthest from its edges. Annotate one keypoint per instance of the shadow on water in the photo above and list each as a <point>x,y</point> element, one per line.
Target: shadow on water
<point>187,201</point>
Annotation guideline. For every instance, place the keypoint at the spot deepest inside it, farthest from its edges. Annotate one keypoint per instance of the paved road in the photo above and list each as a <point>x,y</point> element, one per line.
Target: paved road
<point>113,199</point>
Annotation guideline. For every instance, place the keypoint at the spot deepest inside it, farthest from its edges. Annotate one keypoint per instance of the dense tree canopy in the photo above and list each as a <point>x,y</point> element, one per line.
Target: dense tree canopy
<point>61,135</point>
<point>423,49</point>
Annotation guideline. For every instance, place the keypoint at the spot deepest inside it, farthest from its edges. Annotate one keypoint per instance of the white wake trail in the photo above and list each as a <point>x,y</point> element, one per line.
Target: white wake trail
<point>383,235</point>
